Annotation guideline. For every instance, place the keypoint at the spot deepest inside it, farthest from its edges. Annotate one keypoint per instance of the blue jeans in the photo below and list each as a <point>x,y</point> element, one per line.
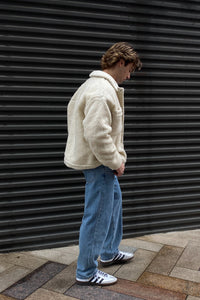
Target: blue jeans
<point>101,228</point>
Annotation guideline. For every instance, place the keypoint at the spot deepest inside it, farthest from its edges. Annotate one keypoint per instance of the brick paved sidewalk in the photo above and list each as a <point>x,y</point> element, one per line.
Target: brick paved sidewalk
<point>165,267</point>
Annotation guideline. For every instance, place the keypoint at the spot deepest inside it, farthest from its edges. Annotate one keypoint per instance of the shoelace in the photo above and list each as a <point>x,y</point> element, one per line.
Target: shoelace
<point>101,273</point>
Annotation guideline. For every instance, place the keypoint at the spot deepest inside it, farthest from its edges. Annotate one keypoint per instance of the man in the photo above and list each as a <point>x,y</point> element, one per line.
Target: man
<point>95,146</point>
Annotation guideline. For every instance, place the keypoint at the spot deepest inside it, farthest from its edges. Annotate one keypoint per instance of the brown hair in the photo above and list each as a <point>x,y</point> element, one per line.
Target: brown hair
<point>121,50</point>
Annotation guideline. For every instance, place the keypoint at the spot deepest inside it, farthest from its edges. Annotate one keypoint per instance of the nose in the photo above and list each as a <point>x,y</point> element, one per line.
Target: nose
<point>128,76</point>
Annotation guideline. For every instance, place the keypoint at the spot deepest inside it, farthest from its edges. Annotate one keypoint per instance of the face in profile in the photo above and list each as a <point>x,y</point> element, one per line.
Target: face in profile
<point>123,72</point>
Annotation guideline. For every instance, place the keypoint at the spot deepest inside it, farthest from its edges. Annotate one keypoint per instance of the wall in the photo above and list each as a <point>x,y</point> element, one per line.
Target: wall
<point>48,48</point>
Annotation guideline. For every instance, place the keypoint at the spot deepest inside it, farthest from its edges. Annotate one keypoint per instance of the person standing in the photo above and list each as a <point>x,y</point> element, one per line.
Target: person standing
<point>95,146</point>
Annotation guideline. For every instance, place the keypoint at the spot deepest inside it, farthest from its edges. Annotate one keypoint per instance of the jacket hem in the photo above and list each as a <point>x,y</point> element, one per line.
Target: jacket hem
<point>81,167</point>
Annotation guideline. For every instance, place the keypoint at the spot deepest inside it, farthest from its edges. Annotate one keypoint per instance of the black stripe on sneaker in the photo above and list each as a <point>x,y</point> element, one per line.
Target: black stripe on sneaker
<point>91,280</point>
<point>118,257</point>
<point>97,280</point>
<point>101,280</point>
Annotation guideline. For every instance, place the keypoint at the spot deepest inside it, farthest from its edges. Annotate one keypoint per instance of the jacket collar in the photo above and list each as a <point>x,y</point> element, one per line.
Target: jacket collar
<point>105,75</point>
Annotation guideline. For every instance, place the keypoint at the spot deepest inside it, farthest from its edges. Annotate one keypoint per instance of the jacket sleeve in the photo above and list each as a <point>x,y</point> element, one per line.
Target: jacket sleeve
<point>97,126</point>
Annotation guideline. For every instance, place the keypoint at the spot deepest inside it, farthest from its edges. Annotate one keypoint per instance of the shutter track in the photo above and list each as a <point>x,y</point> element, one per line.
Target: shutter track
<point>47,49</point>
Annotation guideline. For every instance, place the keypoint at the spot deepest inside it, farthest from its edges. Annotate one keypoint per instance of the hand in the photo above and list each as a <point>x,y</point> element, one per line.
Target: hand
<point>120,171</point>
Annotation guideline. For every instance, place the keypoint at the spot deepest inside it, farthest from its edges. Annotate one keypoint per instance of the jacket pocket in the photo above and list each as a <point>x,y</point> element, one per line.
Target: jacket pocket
<point>117,119</point>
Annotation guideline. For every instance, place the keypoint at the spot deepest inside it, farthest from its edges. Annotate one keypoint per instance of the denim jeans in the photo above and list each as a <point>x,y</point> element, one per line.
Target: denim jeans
<point>101,228</point>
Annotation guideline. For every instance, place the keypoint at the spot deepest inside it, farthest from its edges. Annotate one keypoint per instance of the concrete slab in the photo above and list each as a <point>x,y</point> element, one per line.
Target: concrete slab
<point>144,292</point>
<point>186,274</point>
<point>11,276</point>
<point>170,238</point>
<point>43,294</point>
<point>127,248</point>
<point>165,260</point>
<point>55,255</point>
<point>138,243</point>
<point>171,284</point>
<point>62,281</point>
<point>94,293</point>
<point>2,297</point>
<point>4,266</point>
<point>29,284</point>
<point>23,259</point>
<point>190,258</point>
<point>69,249</point>
<point>189,235</point>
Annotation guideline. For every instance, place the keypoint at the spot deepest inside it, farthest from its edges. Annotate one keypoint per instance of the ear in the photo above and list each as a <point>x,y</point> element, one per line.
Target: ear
<point>121,62</point>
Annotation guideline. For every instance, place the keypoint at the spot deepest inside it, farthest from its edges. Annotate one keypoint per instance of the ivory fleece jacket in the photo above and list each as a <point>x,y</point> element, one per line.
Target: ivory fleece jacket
<point>96,124</point>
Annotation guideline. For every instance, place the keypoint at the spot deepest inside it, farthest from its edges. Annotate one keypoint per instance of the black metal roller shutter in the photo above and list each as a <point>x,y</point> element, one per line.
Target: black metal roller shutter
<point>48,48</point>
<point>161,188</point>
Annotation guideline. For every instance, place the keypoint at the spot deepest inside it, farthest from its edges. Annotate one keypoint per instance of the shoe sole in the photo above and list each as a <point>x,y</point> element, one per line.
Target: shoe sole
<point>94,283</point>
<point>115,262</point>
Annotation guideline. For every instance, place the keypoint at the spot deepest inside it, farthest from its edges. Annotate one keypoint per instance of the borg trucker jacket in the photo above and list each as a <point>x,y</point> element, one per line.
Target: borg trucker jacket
<point>95,118</point>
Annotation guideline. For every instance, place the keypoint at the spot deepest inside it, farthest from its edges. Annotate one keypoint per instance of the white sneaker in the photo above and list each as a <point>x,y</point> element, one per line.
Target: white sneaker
<point>100,278</point>
<point>119,258</point>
